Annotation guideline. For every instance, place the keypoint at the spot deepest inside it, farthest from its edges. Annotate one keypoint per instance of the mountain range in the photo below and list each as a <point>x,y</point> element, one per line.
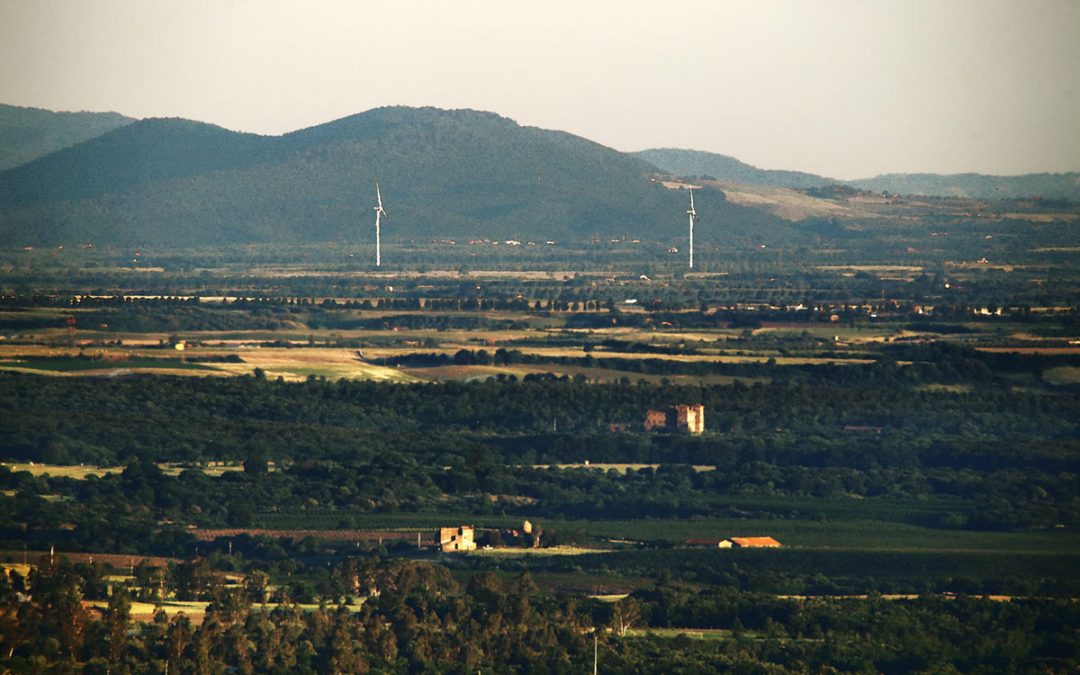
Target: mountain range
<point>694,163</point>
<point>458,173</point>
<point>697,164</point>
<point>107,179</point>
<point>29,133</point>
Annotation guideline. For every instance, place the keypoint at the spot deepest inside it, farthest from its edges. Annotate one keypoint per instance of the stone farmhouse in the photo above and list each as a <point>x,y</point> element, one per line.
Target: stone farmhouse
<point>689,418</point>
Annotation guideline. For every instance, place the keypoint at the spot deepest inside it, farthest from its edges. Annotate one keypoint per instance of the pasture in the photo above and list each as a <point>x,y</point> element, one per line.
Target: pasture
<point>507,552</point>
<point>76,472</point>
<point>237,354</point>
<point>301,363</point>
<point>295,352</point>
<point>691,633</point>
<point>291,365</point>
<point>618,468</point>
<point>194,610</point>
<point>81,471</point>
<point>848,525</point>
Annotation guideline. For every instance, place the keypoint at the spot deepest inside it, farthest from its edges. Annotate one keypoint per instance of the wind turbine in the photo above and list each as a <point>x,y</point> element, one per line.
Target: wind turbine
<point>379,213</point>
<point>693,216</point>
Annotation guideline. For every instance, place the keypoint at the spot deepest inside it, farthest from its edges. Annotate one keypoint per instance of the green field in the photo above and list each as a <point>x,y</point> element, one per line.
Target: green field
<point>862,531</point>
<point>692,633</point>
<point>74,365</point>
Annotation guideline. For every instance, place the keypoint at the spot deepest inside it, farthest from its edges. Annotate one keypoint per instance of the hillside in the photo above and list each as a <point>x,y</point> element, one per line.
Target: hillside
<point>459,173</point>
<point>789,204</point>
<point>977,186</point>
<point>724,168</point>
<point>967,185</point>
<point>29,133</point>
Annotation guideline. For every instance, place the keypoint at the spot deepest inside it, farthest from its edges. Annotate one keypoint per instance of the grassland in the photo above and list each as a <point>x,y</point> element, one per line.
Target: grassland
<point>81,471</point>
<point>195,610</point>
<point>694,322</point>
<point>692,633</point>
<point>75,365</point>
<point>299,364</point>
<point>1064,375</point>
<point>296,352</point>
<point>618,468</point>
<point>289,364</point>
<point>144,611</point>
<point>854,526</point>
<point>864,535</point>
<point>506,552</point>
<point>77,472</point>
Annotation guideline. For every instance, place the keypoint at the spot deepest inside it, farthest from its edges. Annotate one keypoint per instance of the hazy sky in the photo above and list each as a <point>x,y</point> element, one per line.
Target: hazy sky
<point>843,88</point>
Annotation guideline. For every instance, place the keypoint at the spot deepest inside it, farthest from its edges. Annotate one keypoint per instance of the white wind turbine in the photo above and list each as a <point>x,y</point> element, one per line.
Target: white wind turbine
<point>693,217</point>
<point>379,213</point>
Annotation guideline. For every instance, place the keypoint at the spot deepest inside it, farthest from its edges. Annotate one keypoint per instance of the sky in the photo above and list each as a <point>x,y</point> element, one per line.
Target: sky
<point>847,89</point>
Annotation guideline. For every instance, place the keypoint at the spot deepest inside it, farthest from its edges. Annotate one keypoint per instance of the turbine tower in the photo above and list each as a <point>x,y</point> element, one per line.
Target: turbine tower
<point>379,213</point>
<point>693,216</point>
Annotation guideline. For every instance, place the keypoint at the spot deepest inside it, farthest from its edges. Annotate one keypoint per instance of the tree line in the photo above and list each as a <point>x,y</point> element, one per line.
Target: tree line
<point>418,617</point>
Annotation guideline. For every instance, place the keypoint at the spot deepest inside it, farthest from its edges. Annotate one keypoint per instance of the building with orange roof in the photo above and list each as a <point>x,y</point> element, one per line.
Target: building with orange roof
<point>751,542</point>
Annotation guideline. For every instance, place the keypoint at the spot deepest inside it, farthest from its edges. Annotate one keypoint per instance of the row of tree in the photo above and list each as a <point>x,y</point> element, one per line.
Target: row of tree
<point>420,619</point>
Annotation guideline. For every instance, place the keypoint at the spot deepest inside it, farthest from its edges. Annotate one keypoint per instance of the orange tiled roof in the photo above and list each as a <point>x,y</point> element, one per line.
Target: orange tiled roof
<point>755,542</point>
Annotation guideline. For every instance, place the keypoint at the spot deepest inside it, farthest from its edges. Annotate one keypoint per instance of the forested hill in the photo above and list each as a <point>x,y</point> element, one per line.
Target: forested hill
<point>460,173</point>
<point>972,185</point>
<point>29,133</point>
<point>694,163</point>
<point>978,186</point>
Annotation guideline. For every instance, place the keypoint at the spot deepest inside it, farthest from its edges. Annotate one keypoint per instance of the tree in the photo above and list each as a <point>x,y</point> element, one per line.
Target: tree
<point>255,584</point>
<point>71,618</point>
<point>344,653</point>
<point>117,620</point>
<point>487,589</point>
<point>150,581</point>
<point>178,638</point>
<point>255,463</point>
<point>624,615</point>
<point>238,647</point>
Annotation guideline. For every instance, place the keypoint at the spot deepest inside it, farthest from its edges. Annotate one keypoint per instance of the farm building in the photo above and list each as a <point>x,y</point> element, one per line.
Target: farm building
<point>454,539</point>
<point>735,542</point>
<point>677,418</point>
<point>707,543</point>
<point>751,542</point>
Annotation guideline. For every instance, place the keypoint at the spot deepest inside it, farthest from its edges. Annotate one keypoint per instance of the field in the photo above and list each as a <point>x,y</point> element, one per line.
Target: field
<point>72,365</point>
<point>195,610</point>
<point>299,364</point>
<point>145,611</point>
<point>619,468</point>
<point>1066,375</point>
<point>503,552</point>
<point>81,471</point>
<point>78,472</point>
<point>241,353</point>
<point>850,526</point>
<point>302,362</point>
<point>898,415</point>
<point>692,633</point>
<point>788,204</point>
